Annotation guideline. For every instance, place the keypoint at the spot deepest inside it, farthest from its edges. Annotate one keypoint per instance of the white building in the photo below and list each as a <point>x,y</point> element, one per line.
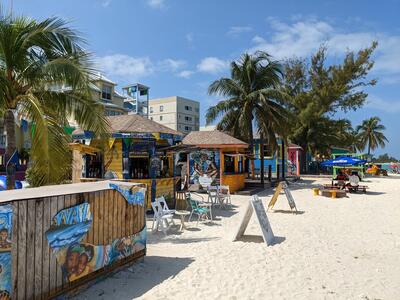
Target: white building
<point>175,112</point>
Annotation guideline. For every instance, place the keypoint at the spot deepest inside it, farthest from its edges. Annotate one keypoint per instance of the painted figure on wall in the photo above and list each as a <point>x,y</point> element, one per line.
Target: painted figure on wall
<point>68,228</point>
<point>5,251</point>
<point>204,168</point>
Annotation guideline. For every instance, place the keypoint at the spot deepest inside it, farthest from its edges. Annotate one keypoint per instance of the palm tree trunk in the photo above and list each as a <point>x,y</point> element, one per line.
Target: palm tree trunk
<point>369,147</point>
<point>9,123</point>
<point>262,158</point>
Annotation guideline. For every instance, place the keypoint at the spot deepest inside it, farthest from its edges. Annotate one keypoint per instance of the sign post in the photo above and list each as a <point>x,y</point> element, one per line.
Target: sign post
<point>255,204</point>
<point>283,186</point>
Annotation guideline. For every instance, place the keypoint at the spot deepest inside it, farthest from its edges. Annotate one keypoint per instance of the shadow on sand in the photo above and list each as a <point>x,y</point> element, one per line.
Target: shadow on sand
<point>137,279</point>
<point>287,211</point>
<point>250,238</point>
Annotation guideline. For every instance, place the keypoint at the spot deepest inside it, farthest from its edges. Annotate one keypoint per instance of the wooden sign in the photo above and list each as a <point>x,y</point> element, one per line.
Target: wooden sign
<point>255,204</point>
<point>283,186</point>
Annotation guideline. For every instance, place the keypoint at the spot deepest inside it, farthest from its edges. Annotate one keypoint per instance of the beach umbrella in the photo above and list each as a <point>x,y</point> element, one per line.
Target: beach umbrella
<point>343,161</point>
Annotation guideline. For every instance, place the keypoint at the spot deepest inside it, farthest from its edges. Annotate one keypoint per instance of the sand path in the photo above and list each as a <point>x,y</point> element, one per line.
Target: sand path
<point>346,248</point>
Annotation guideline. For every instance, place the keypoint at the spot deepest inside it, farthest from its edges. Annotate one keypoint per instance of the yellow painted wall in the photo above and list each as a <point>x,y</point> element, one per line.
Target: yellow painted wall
<point>235,181</point>
<point>115,153</point>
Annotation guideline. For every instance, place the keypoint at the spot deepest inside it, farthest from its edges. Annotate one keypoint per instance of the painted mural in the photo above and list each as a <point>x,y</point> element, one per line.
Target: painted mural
<point>204,168</point>
<point>69,226</point>
<point>132,194</point>
<point>5,251</point>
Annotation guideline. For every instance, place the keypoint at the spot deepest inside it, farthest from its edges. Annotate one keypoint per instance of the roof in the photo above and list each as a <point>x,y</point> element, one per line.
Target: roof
<point>294,146</point>
<point>101,77</point>
<point>134,124</point>
<point>212,138</point>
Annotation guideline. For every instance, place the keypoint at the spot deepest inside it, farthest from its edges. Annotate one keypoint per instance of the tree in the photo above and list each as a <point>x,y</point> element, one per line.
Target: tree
<point>45,78</point>
<point>371,135</point>
<point>316,91</point>
<point>250,100</point>
<point>385,158</point>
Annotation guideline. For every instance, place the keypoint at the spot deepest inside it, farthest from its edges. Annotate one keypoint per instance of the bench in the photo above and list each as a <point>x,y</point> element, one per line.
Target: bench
<point>333,193</point>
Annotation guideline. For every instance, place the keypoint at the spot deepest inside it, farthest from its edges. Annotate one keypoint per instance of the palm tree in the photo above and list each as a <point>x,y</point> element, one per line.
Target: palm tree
<point>45,78</point>
<point>251,101</point>
<point>370,134</point>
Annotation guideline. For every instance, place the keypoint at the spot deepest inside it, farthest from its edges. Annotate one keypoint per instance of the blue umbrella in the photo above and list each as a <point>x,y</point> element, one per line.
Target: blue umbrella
<point>343,161</point>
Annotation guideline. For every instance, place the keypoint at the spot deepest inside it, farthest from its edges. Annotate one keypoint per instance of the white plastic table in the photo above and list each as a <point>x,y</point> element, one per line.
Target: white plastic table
<point>182,213</point>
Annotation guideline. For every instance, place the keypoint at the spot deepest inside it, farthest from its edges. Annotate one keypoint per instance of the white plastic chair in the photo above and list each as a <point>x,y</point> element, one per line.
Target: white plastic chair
<point>214,196</point>
<point>164,206</point>
<point>160,219</point>
<point>224,192</point>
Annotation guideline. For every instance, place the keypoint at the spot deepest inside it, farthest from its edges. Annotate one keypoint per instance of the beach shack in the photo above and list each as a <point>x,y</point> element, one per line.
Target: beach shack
<point>214,158</point>
<point>337,152</point>
<point>138,150</point>
<point>55,239</point>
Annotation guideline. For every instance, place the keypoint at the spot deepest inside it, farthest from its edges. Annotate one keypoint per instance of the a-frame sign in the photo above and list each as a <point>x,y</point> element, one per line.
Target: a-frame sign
<point>255,204</point>
<point>283,186</point>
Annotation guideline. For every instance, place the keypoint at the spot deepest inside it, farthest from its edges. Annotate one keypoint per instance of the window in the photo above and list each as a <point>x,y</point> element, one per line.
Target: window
<point>268,151</point>
<point>188,128</point>
<point>229,164</point>
<point>188,119</point>
<point>106,92</point>
<point>161,118</point>
<point>151,110</point>
<point>161,108</point>
<point>189,108</point>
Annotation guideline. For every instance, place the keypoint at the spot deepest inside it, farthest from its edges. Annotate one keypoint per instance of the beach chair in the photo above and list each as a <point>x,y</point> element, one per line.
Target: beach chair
<point>201,212</point>
<point>160,220</point>
<point>164,206</point>
<point>215,197</point>
<point>224,192</point>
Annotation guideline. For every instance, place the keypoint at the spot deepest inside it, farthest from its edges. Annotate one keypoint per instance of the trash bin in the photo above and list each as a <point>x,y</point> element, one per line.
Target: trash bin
<point>316,191</point>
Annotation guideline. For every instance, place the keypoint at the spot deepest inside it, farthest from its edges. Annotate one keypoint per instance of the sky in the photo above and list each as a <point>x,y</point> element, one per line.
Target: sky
<point>178,47</point>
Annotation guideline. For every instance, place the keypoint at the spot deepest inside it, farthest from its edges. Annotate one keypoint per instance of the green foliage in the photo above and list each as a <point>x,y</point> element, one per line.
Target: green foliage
<point>251,97</point>
<point>384,158</point>
<point>45,78</point>
<point>370,134</point>
<point>316,91</point>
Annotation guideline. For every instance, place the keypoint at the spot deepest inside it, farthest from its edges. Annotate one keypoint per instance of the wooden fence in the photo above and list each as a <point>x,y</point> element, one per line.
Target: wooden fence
<point>36,273</point>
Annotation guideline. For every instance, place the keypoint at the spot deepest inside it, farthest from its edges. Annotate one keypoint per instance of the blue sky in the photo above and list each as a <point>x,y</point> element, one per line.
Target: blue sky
<point>177,47</point>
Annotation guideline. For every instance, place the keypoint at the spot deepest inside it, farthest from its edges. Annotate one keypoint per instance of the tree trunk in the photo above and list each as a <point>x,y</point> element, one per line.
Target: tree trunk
<point>262,159</point>
<point>9,123</point>
<point>369,147</point>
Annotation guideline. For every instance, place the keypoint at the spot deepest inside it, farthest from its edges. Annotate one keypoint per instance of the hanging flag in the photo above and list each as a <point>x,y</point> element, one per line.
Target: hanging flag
<point>111,142</point>
<point>24,125</point>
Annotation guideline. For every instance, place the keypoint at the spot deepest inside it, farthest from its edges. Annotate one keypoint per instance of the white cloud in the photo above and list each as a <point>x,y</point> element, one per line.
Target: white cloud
<point>121,65</point>
<point>212,65</point>
<point>185,74</point>
<point>106,3</point>
<point>133,68</point>
<point>235,31</point>
<point>156,3</point>
<point>170,64</point>
<point>389,106</point>
<point>303,37</point>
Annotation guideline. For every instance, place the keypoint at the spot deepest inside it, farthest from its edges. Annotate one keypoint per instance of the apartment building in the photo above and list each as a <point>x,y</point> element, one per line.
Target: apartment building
<point>176,112</point>
<point>103,90</point>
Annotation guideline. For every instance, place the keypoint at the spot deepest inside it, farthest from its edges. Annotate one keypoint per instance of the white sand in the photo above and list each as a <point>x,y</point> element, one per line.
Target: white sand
<point>346,248</point>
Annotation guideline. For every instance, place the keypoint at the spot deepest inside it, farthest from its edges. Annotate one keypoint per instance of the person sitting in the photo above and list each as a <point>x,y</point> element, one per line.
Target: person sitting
<point>341,178</point>
<point>354,181</point>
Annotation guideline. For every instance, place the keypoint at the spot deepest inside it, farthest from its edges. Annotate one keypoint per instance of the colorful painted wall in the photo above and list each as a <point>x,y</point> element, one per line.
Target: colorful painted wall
<point>62,242</point>
<point>204,168</point>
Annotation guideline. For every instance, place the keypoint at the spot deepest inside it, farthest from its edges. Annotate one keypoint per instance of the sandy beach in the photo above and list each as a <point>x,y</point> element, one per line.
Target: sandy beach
<point>346,248</point>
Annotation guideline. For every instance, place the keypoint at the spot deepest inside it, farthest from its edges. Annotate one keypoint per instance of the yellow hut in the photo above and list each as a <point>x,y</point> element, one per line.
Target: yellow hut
<point>137,151</point>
